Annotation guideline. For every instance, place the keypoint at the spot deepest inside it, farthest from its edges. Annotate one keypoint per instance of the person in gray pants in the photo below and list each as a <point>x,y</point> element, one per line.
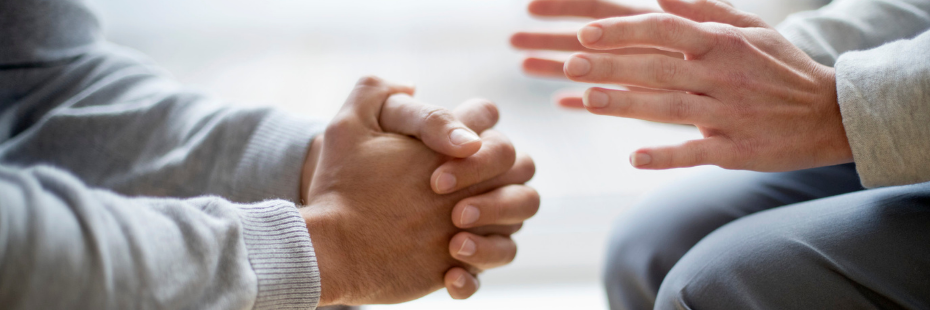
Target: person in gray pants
<point>831,113</point>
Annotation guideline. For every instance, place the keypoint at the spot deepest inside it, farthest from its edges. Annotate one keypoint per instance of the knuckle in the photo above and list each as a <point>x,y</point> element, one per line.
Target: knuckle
<point>533,201</point>
<point>338,127</point>
<point>506,153</point>
<point>668,27</point>
<point>436,116</point>
<point>664,70</point>
<point>512,254</point>
<point>730,37</point>
<point>492,112</point>
<point>622,104</point>
<point>526,165</point>
<point>678,108</point>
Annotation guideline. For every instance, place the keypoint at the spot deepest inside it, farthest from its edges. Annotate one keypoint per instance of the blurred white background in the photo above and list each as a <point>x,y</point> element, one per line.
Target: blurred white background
<point>304,56</point>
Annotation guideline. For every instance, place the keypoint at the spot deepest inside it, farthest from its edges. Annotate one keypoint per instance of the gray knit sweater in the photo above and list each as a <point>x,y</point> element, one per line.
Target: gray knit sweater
<point>86,128</point>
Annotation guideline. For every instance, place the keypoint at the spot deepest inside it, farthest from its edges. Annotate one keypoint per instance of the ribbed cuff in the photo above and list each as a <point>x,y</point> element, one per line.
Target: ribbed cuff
<point>281,255</point>
<point>272,162</point>
<point>883,98</point>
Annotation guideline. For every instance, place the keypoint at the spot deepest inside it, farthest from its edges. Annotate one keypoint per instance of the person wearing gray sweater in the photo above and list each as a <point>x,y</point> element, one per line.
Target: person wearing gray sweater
<point>120,189</point>
<point>799,103</point>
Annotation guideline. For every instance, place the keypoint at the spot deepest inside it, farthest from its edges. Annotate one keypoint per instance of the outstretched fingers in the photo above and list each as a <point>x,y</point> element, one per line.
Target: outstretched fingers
<point>712,11</point>
<point>584,8</point>
<point>661,31</point>
<point>648,71</point>
<point>568,42</point>
<point>708,151</point>
<point>666,107</point>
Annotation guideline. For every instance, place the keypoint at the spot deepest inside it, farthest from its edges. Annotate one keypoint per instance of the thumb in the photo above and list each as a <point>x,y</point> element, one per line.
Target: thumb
<point>366,100</point>
<point>712,11</point>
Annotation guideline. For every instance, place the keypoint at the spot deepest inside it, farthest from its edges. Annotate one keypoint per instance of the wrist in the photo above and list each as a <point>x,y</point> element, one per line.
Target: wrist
<point>837,143</point>
<point>309,167</point>
<point>324,235</point>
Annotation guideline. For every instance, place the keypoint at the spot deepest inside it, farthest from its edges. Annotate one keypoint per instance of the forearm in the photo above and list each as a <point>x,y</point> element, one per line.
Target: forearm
<point>884,97</point>
<point>115,120</point>
<point>849,25</point>
<point>125,126</point>
<point>67,246</point>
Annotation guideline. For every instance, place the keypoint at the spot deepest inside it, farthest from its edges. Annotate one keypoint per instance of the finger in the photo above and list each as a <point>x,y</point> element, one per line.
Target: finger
<point>433,125</point>
<point>583,8</point>
<point>710,151</point>
<point>521,172</point>
<point>712,11</point>
<point>495,157</point>
<point>503,230</point>
<point>571,102</point>
<point>366,99</point>
<point>661,31</point>
<point>482,252</point>
<point>650,71</point>
<point>460,284</point>
<point>477,114</point>
<point>543,67</point>
<point>569,42</point>
<point>507,205</point>
<point>666,107</point>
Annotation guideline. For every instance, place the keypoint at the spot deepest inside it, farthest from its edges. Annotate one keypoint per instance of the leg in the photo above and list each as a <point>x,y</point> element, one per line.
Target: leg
<point>864,250</point>
<point>650,239</point>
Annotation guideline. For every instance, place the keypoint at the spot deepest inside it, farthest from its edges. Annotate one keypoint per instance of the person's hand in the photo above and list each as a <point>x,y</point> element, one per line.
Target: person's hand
<point>380,231</point>
<point>551,66</point>
<point>500,212</point>
<point>760,102</point>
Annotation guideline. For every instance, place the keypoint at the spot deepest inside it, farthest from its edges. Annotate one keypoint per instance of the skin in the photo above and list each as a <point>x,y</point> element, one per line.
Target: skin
<point>369,196</point>
<point>760,103</point>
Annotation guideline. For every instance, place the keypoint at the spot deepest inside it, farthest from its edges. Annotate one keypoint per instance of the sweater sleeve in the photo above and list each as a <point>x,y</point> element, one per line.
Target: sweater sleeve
<point>66,246</point>
<point>112,118</point>
<point>884,96</point>
<point>849,25</point>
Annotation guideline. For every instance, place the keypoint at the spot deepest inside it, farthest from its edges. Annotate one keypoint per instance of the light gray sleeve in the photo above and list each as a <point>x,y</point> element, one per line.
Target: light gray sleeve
<point>849,25</point>
<point>66,246</point>
<point>884,96</point>
<point>115,120</point>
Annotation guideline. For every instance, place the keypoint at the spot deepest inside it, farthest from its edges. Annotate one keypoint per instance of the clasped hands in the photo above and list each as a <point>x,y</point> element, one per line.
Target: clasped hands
<point>760,102</point>
<point>403,198</point>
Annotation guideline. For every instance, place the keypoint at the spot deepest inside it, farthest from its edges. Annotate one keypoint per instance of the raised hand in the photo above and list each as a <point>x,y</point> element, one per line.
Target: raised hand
<point>761,103</point>
<point>381,232</point>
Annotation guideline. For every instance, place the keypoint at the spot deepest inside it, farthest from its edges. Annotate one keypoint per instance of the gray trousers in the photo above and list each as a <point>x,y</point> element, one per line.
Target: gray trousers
<point>810,239</point>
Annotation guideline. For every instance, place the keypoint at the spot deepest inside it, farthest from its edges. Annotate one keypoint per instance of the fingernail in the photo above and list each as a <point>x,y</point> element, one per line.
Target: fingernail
<point>640,159</point>
<point>470,215</point>
<point>445,182</point>
<point>461,136</point>
<point>459,282</point>
<point>577,66</point>
<point>590,34</point>
<point>468,248</point>
<point>596,99</point>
